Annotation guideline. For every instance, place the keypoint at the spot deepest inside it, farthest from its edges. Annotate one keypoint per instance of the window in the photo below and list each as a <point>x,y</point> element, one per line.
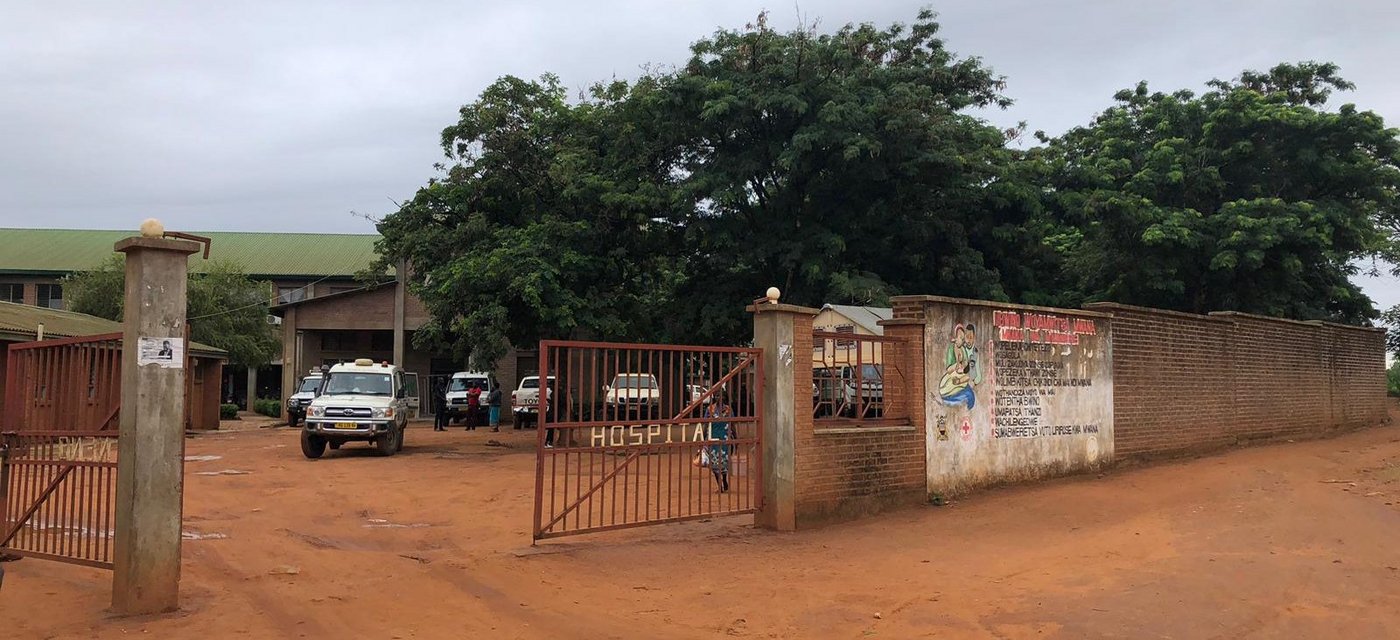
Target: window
<point>340,341</point>
<point>290,294</point>
<point>356,383</point>
<point>845,344</point>
<point>51,296</point>
<point>381,341</point>
<point>10,292</point>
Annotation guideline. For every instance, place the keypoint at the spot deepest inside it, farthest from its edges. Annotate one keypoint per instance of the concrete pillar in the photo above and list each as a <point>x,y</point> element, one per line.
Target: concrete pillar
<point>252,387</point>
<point>773,333</point>
<point>150,461</point>
<point>400,296</point>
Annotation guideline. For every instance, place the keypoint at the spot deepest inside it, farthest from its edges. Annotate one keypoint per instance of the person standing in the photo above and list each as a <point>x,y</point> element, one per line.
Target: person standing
<point>473,406</point>
<point>717,455</point>
<point>439,407</point>
<point>493,405</point>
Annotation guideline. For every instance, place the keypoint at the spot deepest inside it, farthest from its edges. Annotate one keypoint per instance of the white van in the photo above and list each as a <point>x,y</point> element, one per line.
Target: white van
<point>364,402</point>
<point>459,387</point>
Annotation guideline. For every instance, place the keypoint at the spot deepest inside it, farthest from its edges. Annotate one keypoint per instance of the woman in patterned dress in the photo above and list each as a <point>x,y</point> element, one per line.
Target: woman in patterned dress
<point>718,454</point>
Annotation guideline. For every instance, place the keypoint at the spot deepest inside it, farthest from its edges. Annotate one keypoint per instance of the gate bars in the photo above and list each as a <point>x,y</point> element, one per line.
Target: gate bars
<point>622,430</point>
<point>58,452</point>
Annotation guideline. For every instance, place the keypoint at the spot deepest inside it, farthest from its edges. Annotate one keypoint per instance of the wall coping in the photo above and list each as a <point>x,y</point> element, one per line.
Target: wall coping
<point>1306,323</point>
<point>789,308</point>
<point>899,322</point>
<point>898,428</point>
<point>1000,305</point>
<point>1154,311</point>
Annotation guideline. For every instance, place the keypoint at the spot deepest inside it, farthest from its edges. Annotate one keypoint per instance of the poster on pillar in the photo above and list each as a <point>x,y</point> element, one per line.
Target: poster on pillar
<point>1015,393</point>
<point>166,353</point>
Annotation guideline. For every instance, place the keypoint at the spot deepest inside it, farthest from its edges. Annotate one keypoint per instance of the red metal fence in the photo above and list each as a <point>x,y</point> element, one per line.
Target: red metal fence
<point>58,452</point>
<point>850,376</point>
<point>634,435</point>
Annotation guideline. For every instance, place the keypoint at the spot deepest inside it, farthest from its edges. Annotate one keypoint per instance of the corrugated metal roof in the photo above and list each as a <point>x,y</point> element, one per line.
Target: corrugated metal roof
<point>867,317</point>
<point>21,321</point>
<point>260,254</point>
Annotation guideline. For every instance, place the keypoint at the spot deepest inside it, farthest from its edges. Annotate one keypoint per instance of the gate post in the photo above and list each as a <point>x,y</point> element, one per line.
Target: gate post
<point>150,449</point>
<point>780,330</point>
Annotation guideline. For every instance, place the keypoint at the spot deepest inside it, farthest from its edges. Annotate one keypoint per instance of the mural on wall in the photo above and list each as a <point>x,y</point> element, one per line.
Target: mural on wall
<point>1014,393</point>
<point>962,371</point>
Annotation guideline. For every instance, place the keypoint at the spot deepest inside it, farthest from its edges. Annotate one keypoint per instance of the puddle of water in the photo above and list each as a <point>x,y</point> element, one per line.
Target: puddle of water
<point>202,458</point>
<point>195,535</point>
<point>223,472</point>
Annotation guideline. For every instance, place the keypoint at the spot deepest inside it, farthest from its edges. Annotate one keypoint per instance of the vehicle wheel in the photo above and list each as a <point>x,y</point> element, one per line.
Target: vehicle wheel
<point>312,446</point>
<point>387,444</point>
<point>291,419</point>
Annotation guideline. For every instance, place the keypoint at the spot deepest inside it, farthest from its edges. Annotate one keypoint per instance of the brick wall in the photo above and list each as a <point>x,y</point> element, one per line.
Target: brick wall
<point>1185,382</point>
<point>851,471</point>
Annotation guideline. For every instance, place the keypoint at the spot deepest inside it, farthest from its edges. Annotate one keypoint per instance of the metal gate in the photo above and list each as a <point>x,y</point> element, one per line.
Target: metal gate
<point>58,452</point>
<point>638,434</point>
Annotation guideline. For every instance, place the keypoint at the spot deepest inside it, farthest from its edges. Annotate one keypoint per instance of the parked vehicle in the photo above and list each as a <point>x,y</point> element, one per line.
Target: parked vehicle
<point>525,400</point>
<point>459,387</point>
<point>305,393</point>
<point>632,394</point>
<point>834,391</point>
<point>362,401</point>
<point>696,390</point>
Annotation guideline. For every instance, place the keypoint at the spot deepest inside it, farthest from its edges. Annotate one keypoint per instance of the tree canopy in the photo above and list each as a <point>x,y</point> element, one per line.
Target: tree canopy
<point>849,166</point>
<point>1249,197</point>
<point>225,307</point>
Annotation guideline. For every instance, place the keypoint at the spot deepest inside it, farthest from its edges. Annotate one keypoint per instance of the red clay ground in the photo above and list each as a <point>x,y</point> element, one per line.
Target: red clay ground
<point>1253,543</point>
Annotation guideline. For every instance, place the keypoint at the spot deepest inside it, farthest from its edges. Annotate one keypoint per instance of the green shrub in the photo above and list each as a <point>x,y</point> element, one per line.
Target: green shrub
<point>269,408</point>
<point>228,411</point>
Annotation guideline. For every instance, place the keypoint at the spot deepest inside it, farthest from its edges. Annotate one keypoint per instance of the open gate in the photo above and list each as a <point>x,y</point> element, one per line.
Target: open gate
<point>638,434</point>
<point>58,449</point>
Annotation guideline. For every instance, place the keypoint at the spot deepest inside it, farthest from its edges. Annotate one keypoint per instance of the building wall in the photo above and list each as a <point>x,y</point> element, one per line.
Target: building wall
<point>849,471</point>
<point>1037,399</point>
<point>1188,382</point>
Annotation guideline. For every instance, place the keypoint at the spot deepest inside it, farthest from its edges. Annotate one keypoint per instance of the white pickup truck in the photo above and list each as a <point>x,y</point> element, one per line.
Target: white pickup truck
<point>633,394</point>
<point>525,401</point>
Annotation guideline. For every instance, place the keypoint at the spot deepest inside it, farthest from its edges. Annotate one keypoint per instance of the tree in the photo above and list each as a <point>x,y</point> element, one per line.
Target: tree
<point>544,225</point>
<point>226,308</point>
<point>840,167</point>
<point>1392,377</point>
<point>1251,197</point>
<point>843,167</point>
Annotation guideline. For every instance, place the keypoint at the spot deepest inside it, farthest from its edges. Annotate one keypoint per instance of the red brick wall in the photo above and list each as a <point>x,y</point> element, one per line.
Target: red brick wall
<point>1186,382</point>
<point>844,473</point>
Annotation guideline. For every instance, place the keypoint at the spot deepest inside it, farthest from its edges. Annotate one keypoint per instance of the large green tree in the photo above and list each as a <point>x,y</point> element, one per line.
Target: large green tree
<point>1253,196</point>
<point>841,167</point>
<point>225,307</point>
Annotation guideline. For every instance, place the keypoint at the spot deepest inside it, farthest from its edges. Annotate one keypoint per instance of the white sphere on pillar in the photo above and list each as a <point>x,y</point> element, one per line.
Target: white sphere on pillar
<point>152,228</point>
<point>773,295</point>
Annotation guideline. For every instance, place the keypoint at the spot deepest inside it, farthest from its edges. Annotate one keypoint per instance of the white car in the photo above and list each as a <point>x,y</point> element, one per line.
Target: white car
<point>633,393</point>
<point>525,401</point>
<point>299,401</point>
<point>362,401</point>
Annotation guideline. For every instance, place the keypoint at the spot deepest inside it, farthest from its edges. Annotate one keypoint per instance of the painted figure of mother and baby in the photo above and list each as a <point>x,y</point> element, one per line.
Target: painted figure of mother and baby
<point>963,370</point>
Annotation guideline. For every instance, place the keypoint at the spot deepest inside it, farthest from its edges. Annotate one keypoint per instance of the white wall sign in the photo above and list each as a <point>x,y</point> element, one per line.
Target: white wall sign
<point>167,353</point>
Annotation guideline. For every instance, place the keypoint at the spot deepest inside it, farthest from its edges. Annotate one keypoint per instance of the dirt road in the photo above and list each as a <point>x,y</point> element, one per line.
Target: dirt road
<point>434,543</point>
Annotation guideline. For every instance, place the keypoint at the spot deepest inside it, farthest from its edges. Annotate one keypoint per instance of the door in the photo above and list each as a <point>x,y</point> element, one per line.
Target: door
<point>410,385</point>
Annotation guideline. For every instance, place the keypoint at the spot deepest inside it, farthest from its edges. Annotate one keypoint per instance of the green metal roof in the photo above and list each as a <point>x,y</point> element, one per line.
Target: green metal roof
<point>62,251</point>
<point>21,322</point>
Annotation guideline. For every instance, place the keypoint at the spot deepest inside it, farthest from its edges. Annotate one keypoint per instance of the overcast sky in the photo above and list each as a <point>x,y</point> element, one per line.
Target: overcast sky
<point>295,116</point>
